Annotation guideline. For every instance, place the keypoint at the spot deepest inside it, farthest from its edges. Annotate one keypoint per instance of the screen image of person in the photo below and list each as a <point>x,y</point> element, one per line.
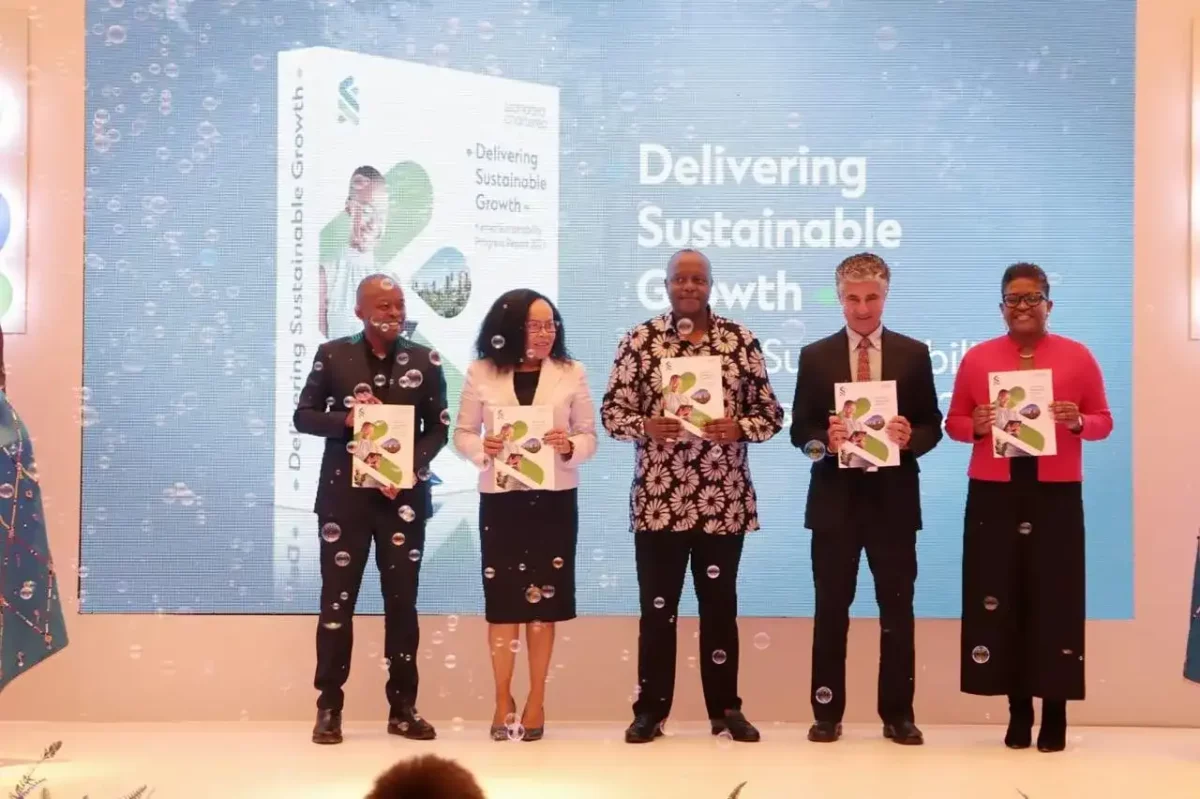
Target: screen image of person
<point>691,498</point>
<point>528,538</point>
<point>849,510</point>
<point>375,366</point>
<point>1023,603</point>
<point>367,206</point>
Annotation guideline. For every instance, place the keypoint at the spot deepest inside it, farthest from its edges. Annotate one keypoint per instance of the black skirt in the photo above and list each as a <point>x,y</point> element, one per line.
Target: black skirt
<point>1023,602</point>
<point>527,543</point>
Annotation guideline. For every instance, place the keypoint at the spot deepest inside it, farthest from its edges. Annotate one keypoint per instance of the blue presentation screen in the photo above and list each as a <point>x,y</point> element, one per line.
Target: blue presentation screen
<point>570,147</point>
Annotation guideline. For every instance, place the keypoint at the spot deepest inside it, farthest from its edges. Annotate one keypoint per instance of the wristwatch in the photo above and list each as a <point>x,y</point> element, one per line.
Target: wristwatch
<point>570,453</point>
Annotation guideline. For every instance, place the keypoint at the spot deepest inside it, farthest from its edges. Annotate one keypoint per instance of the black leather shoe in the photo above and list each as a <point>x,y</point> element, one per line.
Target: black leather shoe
<point>904,733</point>
<point>408,723</point>
<point>328,729</point>
<point>737,726</point>
<point>644,729</point>
<point>824,732</point>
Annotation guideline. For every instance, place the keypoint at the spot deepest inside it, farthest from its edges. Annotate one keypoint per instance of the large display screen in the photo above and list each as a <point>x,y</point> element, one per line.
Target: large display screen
<point>571,148</point>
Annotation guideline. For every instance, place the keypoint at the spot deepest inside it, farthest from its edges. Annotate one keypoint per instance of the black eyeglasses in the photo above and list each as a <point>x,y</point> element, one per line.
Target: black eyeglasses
<point>1032,300</point>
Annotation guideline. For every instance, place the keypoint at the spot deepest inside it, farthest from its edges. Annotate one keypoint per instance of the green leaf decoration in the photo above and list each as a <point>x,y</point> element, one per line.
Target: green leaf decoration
<point>379,430</point>
<point>531,470</point>
<point>699,418</point>
<point>519,429</point>
<point>1016,396</point>
<point>390,470</point>
<point>875,447</point>
<point>1031,437</point>
<point>686,381</point>
<point>862,407</point>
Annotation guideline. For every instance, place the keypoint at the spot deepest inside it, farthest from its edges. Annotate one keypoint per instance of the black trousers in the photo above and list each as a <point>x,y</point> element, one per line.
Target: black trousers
<point>342,564</point>
<point>892,556</point>
<point>662,561</point>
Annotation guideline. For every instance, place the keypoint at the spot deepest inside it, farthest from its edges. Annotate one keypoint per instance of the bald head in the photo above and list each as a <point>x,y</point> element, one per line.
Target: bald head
<point>379,303</point>
<point>689,256</point>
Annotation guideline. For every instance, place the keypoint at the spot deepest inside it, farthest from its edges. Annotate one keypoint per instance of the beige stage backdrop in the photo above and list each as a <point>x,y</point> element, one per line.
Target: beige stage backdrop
<point>260,668</point>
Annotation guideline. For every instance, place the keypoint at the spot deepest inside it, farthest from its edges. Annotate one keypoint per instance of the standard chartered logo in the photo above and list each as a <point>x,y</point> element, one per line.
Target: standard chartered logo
<point>348,101</point>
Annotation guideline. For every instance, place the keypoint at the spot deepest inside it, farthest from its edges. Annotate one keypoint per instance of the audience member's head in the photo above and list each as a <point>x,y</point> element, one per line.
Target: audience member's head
<point>426,777</point>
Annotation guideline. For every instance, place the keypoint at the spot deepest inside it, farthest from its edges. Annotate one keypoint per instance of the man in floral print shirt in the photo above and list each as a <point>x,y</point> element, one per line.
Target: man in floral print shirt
<point>691,497</point>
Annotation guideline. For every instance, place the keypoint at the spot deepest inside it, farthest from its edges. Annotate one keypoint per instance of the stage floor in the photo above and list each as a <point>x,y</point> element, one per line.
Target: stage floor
<point>589,761</point>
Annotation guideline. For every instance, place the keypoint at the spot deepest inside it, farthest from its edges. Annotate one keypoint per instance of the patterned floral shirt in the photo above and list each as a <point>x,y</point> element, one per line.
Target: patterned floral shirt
<point>691,484</point>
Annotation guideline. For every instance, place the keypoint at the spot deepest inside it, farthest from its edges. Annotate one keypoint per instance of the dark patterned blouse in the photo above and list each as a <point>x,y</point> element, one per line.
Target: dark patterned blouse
<point>691,484</point>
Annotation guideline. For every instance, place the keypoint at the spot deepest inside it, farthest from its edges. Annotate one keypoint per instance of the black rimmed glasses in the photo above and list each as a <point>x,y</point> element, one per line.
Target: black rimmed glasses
<point>1031,300</point>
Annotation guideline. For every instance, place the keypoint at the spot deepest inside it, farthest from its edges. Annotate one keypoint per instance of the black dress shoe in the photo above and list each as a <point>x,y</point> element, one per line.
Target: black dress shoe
<point>408,723</point>
<point>644,729</point>
<point>824,732</point>
<point>328,729</point>
<point>904,732</point>
<point>736,725</point>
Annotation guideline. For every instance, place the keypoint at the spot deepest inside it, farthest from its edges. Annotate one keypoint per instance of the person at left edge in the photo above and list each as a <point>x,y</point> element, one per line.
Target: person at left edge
<point>691,498</point>
<point>374,366</point>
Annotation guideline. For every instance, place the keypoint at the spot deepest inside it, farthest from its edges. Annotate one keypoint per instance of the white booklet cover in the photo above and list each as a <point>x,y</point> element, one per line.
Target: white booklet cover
<point>866,407</point>
<point>381,453</point>
<point>692,390</point>
<point>1024,424</point>
<point>527,461</point>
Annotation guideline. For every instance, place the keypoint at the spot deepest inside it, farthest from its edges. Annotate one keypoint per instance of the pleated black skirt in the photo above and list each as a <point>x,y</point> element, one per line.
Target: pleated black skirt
<point>1023,601</point>
<point>527,541</point>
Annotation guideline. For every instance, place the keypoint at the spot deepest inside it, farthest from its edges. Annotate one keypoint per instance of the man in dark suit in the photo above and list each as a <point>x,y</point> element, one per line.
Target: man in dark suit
<point>375,366</point>
<point>878,509</point>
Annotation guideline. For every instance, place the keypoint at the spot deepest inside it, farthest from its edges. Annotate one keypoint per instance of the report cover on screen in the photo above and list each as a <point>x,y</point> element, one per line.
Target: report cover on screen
<point>446,180</point>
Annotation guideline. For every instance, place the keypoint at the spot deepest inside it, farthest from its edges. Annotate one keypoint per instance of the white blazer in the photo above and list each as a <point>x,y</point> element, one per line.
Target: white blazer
<point>562,386</point>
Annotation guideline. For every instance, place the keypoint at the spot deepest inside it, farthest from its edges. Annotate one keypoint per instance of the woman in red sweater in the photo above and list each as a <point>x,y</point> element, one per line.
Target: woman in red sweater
<point>1023,540</point>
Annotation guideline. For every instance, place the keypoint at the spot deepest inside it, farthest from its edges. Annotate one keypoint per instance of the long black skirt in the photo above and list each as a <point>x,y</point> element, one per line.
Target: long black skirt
<point>527,546</point>
<point>1023,602</point>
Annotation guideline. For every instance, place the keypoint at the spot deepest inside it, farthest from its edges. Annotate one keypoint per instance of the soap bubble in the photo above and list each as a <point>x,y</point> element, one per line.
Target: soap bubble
<point>815,450</point>
<point>398,539</point>
<point>413,378</point>
<point>533,595</point>
<point>823,695</point>
<point>402,358</point>
<point>981,655</point>
<point>407,513</point>
<point>498,342</point>
<point>331,532</point>
<point>685,326</point>
<point>719,657</point>
<point>659,602</point>
<point>414,555</point>
<point>762,641</point>
<point>489,572</point>
<point>713,572</point>
<point>990,603</point>
<point>342,558</point>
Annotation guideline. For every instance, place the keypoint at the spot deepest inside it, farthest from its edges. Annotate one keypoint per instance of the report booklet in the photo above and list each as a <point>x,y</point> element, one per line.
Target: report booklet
<point>527,461</point>
<point>1024,425</point>
<point>692,390</point>
<point>381,453</point>
<point>865,408</point>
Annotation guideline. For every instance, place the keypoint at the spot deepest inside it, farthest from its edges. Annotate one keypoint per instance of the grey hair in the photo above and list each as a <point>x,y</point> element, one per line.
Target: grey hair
<point>689,251</point>
<point>861,268</point>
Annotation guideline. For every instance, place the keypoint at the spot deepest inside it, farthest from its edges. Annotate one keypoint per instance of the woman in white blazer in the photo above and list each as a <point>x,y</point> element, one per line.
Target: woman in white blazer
<point>527,534</point>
